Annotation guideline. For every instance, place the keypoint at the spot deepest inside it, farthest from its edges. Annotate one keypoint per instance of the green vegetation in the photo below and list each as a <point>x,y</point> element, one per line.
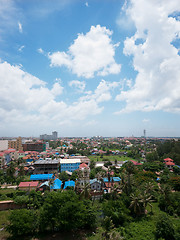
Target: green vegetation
<point>140,207</point>
<point>109,158</point>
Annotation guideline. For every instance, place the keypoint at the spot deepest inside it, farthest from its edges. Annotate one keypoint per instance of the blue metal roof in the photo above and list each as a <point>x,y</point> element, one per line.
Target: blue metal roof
<point>57,184</point>
<point>115,179</point>
<point>70,183</point>
<point>41,176</point>
<point>94,180</point>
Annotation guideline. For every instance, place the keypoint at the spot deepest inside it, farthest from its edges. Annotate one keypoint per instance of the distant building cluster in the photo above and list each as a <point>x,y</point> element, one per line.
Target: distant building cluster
<point>46,137</point>
<point>18,145</point>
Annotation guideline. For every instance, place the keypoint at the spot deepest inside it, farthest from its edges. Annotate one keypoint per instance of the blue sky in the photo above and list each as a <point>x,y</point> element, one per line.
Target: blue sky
<point>86,68</point>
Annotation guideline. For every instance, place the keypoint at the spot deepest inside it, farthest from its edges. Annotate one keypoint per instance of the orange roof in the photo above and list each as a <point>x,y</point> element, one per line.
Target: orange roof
<point>170,163</point>
<point>168,160</point>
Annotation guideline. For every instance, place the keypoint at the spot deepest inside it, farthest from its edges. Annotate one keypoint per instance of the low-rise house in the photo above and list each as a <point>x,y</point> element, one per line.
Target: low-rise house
<point>69,183</point>
<point>169,163</point>
<point>95,184</point>
<point>56,185</point>
<point>28,186</point>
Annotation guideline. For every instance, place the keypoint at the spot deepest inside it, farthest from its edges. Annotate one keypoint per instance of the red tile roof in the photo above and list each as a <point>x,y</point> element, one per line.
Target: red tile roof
<point>10,150</point>
<point>135,163</point>
<point>83,165</point>
<point>168,160</point>
<point>29,184</point>
<point>170,163</point>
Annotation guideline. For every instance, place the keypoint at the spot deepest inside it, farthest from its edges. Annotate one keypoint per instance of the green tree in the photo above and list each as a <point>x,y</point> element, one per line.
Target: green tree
<point>63,176</point>
<point>164,228</point>
<point>129,168</point>
<point>22,222</point>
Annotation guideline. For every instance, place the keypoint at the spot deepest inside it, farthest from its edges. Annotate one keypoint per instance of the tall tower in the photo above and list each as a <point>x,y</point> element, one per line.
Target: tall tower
<point>54,135</point>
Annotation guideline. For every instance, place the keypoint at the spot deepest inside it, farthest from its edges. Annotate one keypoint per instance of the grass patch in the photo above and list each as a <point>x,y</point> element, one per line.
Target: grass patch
<point>7,190</point>
<point>110,158</point>
<point>3,223</point>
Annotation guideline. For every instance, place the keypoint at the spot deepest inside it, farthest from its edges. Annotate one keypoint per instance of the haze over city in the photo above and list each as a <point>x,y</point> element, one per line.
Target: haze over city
<point>87,68</point>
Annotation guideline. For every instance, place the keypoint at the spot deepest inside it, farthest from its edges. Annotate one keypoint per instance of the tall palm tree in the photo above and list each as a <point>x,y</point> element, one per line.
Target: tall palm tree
<point>129,168</point>
<point>137,203</point>
<point>85,194</point>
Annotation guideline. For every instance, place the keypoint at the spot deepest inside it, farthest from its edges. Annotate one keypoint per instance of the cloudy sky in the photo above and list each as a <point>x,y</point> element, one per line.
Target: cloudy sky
<point>85,68</point>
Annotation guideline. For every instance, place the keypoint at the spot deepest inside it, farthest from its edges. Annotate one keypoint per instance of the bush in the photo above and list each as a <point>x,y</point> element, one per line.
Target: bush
<point>164,228</point>
<point>22,222</point>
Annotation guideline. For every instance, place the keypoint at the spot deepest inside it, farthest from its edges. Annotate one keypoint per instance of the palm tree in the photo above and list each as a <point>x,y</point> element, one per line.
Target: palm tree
<point>85,194</point>
<point>137,203</point>
<point>129,168</point>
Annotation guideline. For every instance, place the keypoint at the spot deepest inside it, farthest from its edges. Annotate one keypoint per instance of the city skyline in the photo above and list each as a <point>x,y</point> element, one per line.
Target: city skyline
<point>90,68</point>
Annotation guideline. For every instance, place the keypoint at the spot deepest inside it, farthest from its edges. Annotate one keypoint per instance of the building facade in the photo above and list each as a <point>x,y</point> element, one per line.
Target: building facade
<point>69,164</point>
<point>47,137</point>
<point>37,146</point>
<point>46,166</point>
<point>16,144</point>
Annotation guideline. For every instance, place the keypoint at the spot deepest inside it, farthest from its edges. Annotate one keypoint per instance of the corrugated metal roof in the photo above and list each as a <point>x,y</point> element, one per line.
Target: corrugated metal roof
<point>47,161</point>
<point>115,179</point>
<point>41,176</point>
<point>69,184</point>
<point>57,184</point>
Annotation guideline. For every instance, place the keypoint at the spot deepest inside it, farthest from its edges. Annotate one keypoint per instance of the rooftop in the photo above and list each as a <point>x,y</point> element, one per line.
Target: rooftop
<point>70,161</point>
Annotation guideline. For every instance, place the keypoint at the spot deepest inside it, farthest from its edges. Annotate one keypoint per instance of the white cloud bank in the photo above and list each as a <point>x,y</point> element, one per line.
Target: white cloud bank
<point>26,101</point>
<point>156,60</point>
<point>79,85</point>
<point>91,53</point>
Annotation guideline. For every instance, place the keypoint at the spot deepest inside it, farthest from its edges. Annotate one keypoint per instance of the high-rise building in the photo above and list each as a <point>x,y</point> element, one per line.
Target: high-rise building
<point>54,136</point>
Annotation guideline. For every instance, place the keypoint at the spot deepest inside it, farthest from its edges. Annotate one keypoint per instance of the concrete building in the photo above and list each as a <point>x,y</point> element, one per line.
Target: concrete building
<point>35,146</point>
<point>46,166</point>
<point>47,137</point>
<point>83,159</point>
<point>3,145</point>
<point>69,164</point>
<point>16,144</point>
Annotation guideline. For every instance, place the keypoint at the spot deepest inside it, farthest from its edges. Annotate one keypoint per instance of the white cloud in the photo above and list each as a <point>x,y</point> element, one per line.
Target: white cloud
<point>124,20</point>
<point>78,85</point>
<point>25,100</point>
<point>157,85</point>
<point>40,50</point>
<point>91,53</point>
<point>86,4</point>
<point>9,15</point>
<point>57,89</point>
<point>21,48</point>
<point>20,27</point>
